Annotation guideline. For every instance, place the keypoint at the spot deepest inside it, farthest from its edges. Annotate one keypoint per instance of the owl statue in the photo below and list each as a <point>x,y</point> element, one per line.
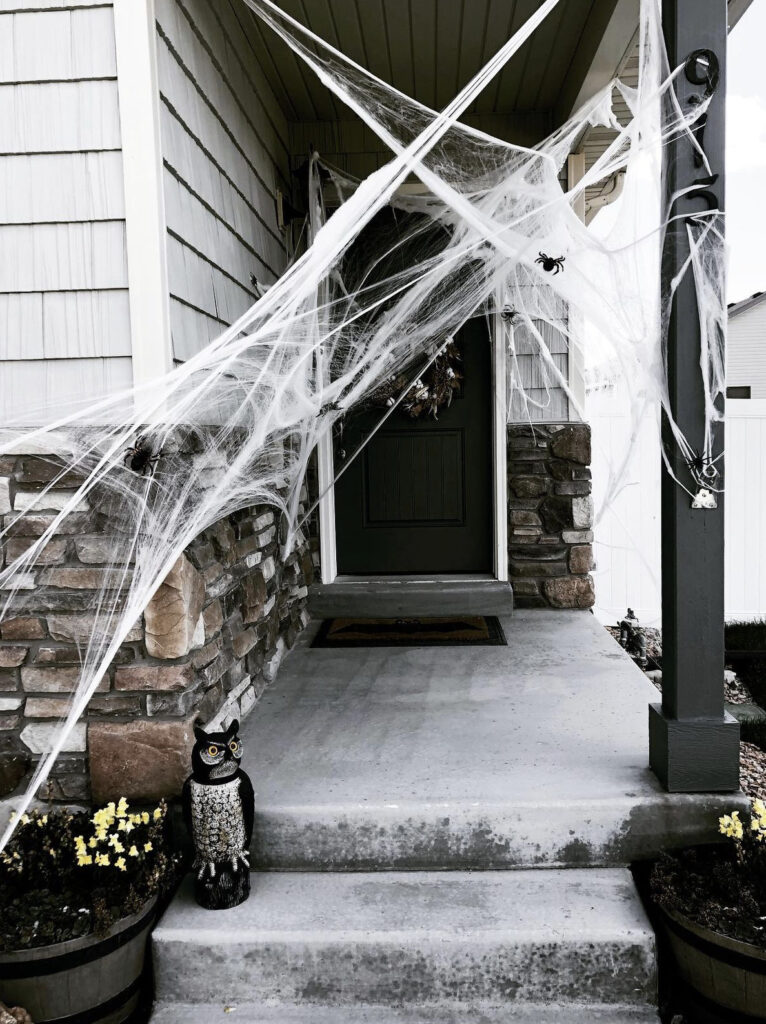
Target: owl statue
<point>218,804</point>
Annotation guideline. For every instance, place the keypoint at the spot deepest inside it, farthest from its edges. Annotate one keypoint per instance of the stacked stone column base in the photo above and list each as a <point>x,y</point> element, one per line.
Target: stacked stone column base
<point>550,515</point>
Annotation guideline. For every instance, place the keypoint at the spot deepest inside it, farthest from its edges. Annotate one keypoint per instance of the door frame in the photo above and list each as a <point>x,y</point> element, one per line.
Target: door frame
<point>328,550</point>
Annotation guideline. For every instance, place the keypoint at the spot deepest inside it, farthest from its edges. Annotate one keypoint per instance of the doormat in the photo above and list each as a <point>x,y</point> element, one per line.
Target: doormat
<point>443,631</point>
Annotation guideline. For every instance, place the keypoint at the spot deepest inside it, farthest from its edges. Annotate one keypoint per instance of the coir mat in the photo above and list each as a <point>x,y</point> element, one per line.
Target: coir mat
<point>443,631</point>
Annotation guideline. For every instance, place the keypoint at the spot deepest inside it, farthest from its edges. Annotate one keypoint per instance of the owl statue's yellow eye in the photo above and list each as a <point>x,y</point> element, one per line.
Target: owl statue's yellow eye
<point>234,746</point>
<point>212,750</point>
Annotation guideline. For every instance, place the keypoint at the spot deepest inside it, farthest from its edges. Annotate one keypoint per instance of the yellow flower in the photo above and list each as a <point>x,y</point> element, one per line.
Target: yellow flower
<point>83,859</point>
<point>114,842</point>
<point>25,819</point>
<point>42,821</point>
<point>102,859</point>
<point>133,851</point>
<point>148,847</point>
<point>93,842</point>
<point>145,817</point>
<point>101,833</point>
<point>105,817</point>
<point>730,825</point>
<point>120,863</point>
<point>157,813</point>
<point>122,807</point>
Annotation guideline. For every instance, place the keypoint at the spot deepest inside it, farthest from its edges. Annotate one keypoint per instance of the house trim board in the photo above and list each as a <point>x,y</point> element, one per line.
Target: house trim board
<point>146,236</point>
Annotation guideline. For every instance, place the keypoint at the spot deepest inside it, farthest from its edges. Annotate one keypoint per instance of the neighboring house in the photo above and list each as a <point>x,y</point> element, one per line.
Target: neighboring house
<point>627,536</point>
<point>149,151</point>
<point>746,348</point>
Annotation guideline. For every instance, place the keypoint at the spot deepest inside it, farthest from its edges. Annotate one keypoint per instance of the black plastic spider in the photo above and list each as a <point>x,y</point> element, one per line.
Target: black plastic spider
<point>509,314</point>
<point>703,466</point>
<point>140,457</point>
<point>551,263</point>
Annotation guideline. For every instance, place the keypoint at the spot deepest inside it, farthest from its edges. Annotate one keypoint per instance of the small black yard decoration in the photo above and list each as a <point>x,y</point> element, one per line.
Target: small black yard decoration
<point>431,392</point>
<point>218,804</point>
<point>550,264</point>
<point>632,638</point>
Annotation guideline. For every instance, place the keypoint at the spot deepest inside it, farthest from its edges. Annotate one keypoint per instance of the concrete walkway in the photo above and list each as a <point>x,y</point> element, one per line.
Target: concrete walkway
<point>463,757</point>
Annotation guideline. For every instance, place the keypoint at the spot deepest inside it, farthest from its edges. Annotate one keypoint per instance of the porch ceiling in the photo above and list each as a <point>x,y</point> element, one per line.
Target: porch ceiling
<point>430,48</point>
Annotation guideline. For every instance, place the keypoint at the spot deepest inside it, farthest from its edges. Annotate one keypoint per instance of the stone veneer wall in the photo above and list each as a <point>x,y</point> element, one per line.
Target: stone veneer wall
<point>550,515</point>
<point>208,644</point>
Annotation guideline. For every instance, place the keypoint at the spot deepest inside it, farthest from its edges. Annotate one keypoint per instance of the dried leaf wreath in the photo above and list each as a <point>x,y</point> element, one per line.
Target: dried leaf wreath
<point>432,391</point>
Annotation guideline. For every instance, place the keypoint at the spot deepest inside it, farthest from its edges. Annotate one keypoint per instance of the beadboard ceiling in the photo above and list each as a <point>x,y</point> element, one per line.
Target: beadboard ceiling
<point>430,48</point>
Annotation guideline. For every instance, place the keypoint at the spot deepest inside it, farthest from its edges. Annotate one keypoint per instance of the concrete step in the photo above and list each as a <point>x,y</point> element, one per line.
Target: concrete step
<point>387,596</point>
<point>415,835</point>
<point>530,1013</point>
<point>419,939</point>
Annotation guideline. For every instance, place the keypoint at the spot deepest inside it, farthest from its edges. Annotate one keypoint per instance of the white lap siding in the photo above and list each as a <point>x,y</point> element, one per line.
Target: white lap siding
<point>225,155</point>
<point>64,322</point>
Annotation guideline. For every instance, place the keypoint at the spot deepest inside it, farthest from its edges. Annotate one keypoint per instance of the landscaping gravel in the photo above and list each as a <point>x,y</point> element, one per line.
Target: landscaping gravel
<point>735,691</point>
<point>753,770</point>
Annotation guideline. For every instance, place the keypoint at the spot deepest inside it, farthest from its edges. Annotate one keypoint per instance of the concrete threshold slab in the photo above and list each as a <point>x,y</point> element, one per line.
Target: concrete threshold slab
<point>530,1013</point>
<point>391,596</point>
<point>438,938</point>
<point>533,754</point>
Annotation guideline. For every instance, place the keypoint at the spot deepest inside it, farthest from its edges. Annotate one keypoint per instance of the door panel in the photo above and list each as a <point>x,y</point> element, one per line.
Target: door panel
<point>418,499</point>
<point>415,477</point>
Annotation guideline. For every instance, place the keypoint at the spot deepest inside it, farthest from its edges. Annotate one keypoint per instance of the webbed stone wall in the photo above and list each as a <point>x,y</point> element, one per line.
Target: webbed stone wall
<point>212,637</point>
<point>208,644</point>
<point>550,515</point>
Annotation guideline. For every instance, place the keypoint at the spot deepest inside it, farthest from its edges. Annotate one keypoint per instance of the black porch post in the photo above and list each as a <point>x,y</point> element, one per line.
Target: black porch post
<point>693,744</point>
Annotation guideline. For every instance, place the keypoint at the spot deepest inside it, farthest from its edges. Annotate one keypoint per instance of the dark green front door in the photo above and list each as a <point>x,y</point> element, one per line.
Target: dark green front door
<point>418,499</point>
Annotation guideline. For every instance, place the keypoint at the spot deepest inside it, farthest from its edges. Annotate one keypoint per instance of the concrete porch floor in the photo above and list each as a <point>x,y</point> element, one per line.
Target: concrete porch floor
<point>534,754</point>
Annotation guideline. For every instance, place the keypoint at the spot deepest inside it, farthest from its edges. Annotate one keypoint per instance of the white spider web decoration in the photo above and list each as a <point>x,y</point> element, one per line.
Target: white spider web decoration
<point>236,425</point>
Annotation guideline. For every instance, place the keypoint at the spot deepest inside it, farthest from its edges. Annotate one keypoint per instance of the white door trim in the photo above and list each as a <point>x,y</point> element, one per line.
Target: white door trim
<point>135,35</point>
<point>328,549</point>
<point>500,444</point>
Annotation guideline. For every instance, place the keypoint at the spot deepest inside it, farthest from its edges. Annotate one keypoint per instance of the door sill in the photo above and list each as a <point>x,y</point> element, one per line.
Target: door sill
<point>392,596</point>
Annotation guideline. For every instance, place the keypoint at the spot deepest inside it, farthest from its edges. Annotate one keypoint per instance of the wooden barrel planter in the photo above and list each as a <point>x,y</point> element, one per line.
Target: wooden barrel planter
<point>726,977</point>
<point>89,980</point>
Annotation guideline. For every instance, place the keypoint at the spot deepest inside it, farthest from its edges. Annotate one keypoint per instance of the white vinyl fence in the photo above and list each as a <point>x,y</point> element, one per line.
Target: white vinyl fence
<point>627,534</point>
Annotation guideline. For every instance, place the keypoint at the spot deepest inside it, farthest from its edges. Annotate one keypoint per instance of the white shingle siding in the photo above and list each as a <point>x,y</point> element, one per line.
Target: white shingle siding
<point>58,46</point>
<point>54,117</point>
<point>64,321</point>
<point>225,150</point>
<point>746,349</point>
